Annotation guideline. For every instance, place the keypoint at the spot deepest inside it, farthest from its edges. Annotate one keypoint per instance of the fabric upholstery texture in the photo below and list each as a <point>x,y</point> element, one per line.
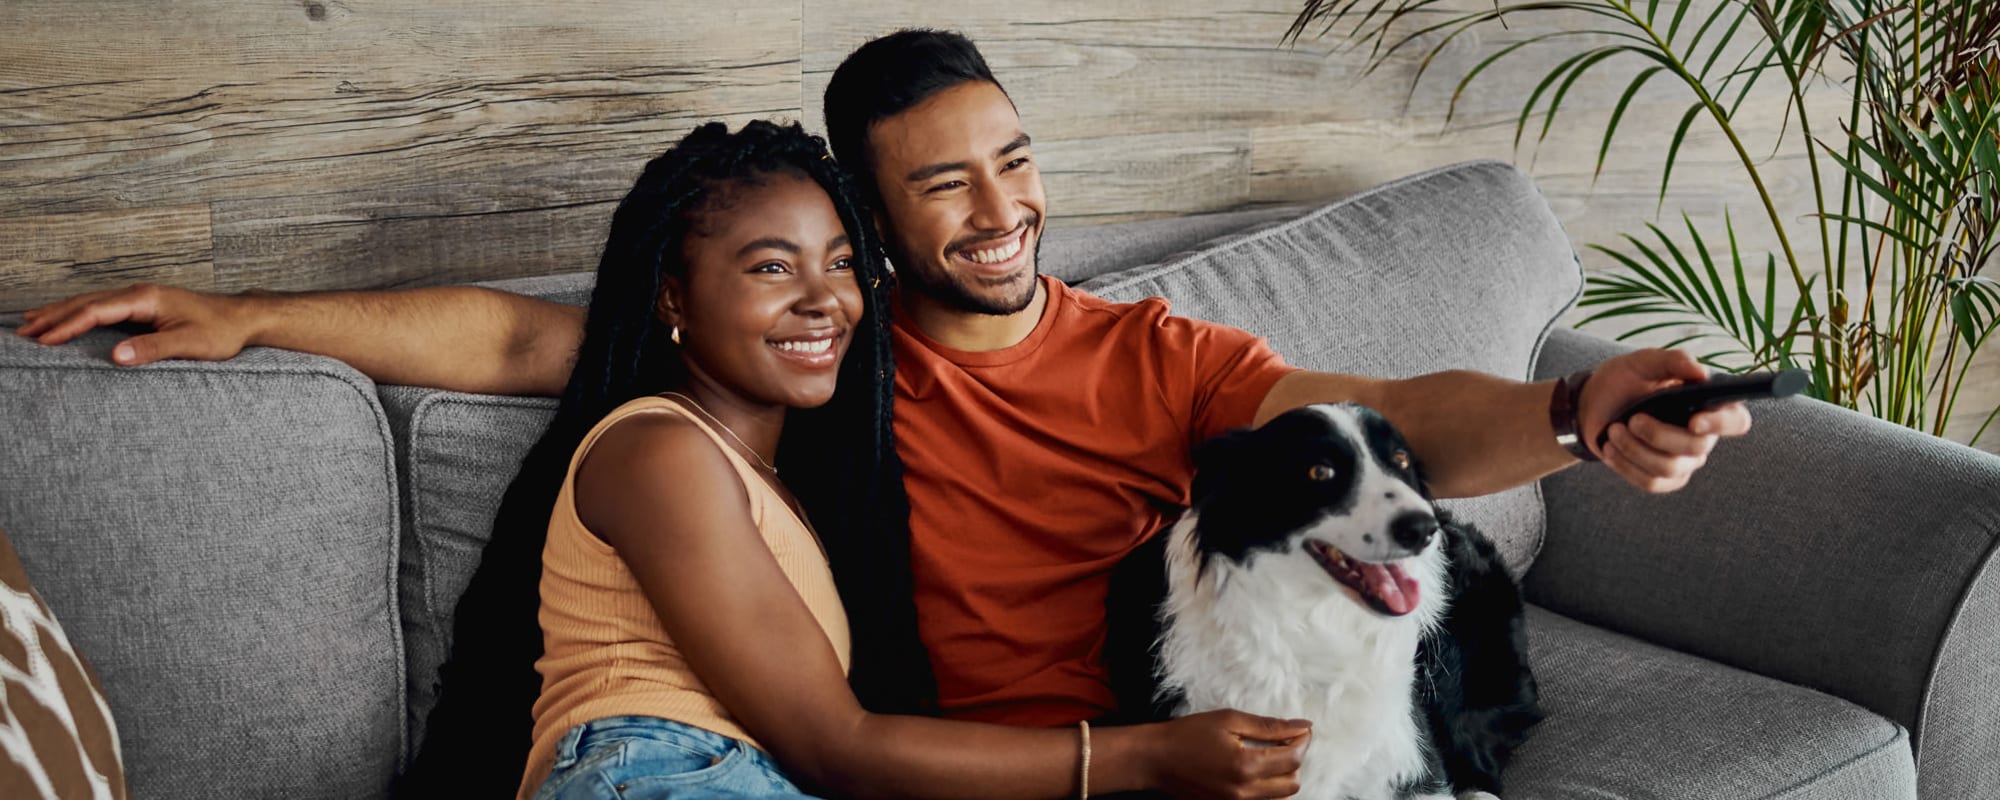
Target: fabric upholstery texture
<point>458,452</point>
<point>1627,719</point>
<point>57,739</point>
<point>1825,548</point>
<point>1460,268</point>
<point>220,541</point>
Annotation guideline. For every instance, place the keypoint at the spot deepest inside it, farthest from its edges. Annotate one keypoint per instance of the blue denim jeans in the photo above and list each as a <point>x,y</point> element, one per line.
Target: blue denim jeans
<point>627,758</point>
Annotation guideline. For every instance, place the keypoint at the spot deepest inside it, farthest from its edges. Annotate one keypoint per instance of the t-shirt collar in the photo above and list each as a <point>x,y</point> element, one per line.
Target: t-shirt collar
<point>993,358</point>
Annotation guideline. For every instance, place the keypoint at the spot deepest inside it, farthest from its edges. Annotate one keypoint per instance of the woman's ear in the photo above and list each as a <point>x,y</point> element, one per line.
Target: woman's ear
<point>669,306</point>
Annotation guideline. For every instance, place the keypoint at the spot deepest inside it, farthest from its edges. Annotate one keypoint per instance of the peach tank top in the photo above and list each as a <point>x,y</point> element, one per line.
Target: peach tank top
<point>604,651</point>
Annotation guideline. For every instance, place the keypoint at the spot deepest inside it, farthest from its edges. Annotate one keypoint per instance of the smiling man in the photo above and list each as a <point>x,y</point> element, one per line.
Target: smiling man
<point>1043,429</point>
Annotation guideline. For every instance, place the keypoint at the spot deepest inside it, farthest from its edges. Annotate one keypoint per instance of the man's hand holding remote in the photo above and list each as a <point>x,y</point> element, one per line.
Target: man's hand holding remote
<point>1646,452</point>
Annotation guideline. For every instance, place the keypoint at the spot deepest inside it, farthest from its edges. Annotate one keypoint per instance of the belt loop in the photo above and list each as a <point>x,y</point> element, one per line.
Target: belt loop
<point>566,747</point>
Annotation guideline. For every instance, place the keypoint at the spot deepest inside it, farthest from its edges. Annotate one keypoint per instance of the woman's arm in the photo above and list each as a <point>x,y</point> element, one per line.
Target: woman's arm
<point>662,494</point>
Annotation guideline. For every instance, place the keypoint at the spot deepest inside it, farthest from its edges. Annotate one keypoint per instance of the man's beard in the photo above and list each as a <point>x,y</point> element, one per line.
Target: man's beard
<point>961,291</point>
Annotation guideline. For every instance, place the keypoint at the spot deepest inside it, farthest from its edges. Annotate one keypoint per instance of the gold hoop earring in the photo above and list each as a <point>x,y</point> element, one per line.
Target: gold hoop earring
<point>675,334</point>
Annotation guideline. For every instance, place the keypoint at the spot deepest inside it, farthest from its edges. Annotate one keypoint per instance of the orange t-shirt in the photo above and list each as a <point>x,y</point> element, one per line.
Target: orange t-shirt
<point>1033,469</point>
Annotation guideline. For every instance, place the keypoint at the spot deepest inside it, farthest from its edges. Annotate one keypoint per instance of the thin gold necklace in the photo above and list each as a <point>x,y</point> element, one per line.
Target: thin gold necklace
<point>725,429</point>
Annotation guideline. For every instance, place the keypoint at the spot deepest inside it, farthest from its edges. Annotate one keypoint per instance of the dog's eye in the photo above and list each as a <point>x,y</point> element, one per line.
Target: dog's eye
<point>1320,472</point>
<point>1400,459</point>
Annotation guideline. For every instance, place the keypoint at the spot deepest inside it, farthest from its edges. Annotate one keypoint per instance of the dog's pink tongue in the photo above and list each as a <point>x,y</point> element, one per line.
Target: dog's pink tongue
<point>1389,584</point>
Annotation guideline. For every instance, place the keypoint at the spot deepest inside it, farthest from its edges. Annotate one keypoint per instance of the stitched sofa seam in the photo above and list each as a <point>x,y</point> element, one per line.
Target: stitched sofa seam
<point>1901,736</point>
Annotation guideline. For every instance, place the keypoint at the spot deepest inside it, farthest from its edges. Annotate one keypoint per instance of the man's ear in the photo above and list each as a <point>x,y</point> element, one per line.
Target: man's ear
<point>668,307</point>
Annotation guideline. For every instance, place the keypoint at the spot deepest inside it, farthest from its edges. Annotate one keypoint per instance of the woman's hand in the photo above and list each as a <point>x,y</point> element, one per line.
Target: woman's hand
<point>1229,755</point>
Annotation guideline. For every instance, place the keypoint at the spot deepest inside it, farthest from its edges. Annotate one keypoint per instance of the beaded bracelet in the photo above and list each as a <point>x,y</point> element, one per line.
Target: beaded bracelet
<point>1083,777</point>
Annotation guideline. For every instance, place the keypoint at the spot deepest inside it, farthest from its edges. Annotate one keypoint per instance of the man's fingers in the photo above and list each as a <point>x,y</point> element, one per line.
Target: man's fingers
<point>1615,459</point>
<point>1675,365</point>
<point>171,343</point>
<point>1731,419</point>
<point>37,320</point>
<point>1671,440</point>
<point>1645,467</point>
<point>51,313</point>
<point>91,311</point>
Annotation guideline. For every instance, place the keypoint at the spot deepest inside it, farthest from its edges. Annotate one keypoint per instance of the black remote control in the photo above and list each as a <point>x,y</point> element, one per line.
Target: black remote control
<point>1676,405</point>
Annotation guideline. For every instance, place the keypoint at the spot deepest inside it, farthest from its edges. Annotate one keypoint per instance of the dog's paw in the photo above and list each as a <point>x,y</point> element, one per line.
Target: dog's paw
<point>1477,795</point>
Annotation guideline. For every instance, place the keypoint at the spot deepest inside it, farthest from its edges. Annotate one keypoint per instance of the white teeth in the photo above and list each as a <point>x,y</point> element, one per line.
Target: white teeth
<point>997,254</point>
<point>815,346</point>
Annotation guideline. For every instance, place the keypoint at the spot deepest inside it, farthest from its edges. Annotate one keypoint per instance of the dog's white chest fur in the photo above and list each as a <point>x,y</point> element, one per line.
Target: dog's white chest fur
<point>1275,636</point>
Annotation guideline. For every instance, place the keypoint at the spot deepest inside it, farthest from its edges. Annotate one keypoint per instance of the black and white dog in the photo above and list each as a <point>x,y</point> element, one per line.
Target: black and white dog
<point>1313,578</point>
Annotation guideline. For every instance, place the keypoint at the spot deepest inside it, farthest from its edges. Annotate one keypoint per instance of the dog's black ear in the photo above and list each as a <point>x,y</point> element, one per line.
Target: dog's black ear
<point>1216,460</point>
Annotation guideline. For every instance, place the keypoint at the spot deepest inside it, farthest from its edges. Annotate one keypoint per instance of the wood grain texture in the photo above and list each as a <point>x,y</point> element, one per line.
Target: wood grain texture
<point>52,256</point>
<point>368,143</point>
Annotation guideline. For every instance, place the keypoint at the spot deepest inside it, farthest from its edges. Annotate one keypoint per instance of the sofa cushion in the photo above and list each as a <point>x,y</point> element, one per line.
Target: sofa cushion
<point>458,452</point>
<point>56,735</point>
<point>1459,268</point>
<point>1633,720</point>
<point>220,540</point>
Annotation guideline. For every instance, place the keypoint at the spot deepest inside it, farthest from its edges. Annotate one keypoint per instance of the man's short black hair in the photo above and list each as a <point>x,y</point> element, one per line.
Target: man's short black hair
<point>887,76</point>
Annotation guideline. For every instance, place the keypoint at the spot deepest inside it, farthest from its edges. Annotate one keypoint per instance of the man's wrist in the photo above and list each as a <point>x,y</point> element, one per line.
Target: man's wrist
<point>251,312</point>
<point>1565,420</point>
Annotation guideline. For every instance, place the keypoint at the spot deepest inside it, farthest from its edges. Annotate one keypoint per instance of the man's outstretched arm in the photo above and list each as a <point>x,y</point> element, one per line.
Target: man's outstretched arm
<point>1478,434</point>
<point>455,337</point>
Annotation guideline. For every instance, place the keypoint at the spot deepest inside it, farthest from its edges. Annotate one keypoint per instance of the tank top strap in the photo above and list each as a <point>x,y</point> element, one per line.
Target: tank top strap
<point>752,480</point>
<point>762,495</point>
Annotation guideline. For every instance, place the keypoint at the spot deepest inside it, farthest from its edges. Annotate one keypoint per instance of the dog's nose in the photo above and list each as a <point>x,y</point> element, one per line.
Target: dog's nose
<point>1413,530</point>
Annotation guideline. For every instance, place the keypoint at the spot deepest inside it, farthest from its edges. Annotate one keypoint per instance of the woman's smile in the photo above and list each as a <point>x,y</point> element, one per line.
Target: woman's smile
<point>814,349</point>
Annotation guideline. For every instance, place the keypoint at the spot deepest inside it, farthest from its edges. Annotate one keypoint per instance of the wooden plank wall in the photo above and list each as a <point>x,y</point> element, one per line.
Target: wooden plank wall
<point>350,143</point>
<point>304,144</point>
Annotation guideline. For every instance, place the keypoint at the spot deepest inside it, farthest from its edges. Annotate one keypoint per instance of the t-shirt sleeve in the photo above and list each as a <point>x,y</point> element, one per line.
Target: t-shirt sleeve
<point>1218,375</point>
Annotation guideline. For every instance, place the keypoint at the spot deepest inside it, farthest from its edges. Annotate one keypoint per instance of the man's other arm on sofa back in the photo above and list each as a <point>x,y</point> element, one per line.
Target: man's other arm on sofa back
<point>453,337</point>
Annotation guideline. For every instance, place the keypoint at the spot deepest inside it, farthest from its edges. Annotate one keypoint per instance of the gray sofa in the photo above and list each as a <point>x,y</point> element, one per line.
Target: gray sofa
<point>262,556</point>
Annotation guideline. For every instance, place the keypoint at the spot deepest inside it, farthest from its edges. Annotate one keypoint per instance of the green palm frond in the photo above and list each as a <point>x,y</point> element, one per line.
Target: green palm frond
<point>1681,285</point>
<point>1905,190</point>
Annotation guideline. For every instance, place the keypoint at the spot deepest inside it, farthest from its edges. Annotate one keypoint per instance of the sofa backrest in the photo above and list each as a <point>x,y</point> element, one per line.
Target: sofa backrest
<point>220,541</point>
<point>263,556</point>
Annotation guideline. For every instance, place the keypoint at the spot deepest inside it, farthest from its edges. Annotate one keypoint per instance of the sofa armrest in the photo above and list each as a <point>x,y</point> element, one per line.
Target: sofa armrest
<point>1826,548</point>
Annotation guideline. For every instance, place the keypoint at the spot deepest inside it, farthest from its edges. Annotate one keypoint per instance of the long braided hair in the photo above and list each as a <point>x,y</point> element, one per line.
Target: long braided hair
<point>839,460</point>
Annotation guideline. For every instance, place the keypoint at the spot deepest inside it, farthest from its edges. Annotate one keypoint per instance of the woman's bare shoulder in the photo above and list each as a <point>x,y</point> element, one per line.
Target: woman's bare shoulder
<point>652,465</point>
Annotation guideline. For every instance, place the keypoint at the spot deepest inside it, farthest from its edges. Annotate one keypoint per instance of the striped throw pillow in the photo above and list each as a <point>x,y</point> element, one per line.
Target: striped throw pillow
<point>56,736</point>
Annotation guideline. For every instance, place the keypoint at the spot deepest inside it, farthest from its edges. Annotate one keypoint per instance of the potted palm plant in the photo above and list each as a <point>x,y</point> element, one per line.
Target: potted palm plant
<point>1906,184</point>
